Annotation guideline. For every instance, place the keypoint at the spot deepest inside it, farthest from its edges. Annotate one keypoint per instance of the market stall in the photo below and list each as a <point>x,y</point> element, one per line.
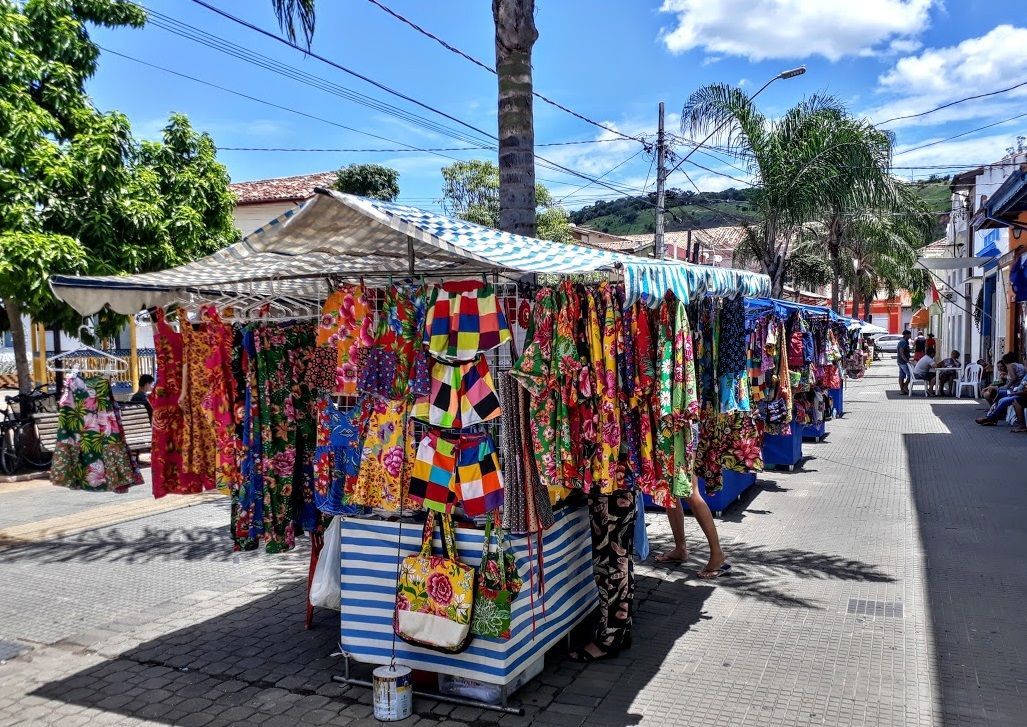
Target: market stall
<point>395,367</point>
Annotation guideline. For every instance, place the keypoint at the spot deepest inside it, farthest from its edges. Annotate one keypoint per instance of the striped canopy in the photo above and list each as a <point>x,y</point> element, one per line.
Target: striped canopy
<point>348,237</point>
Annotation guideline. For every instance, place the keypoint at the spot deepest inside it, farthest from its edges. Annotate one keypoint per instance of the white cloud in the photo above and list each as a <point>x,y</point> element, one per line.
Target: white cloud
<point>969,151</point>
<point>764,29</point>
<point>938,75</point>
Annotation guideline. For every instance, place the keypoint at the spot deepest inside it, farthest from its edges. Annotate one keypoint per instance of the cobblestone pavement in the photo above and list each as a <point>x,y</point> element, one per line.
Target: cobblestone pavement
<point>881,584</point>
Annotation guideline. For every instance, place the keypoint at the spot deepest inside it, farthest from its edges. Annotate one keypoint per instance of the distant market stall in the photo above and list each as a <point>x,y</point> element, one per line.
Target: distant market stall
<point>395,367</point>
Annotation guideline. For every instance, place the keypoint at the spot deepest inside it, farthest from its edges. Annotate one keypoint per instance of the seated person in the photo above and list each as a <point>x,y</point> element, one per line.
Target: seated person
<point>142,396</point>
<point>997,412</point>
<point>949,376</point>
<point>924,369</point>
<point>1019,404</point>
<point>1010,374</point>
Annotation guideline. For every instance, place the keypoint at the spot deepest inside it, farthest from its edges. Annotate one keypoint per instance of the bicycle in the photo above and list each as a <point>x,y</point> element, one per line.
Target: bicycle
<point>18,428</point>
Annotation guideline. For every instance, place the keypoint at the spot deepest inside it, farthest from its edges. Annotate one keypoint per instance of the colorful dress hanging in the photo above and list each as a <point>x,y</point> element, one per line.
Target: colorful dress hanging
<point>346,325</point>
<point>168,427</point>
<point>396,366</point>
<point>337,455</point>
<point>387,456</point>
<point>199,450</point>
<point>91,453</point>
<point>220,402</point>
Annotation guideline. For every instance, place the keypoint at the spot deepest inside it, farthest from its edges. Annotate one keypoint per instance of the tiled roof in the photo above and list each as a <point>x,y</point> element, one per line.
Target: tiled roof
<point>281,189</point>
<point>605,241</point>
<point>720,241</point>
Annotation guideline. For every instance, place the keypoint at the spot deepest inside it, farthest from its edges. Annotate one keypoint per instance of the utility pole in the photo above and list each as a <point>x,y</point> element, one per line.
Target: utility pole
<point>661,191</point>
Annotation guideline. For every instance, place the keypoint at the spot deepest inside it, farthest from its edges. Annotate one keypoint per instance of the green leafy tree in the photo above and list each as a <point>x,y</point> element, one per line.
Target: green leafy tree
<point>369,180</point>
<point>470,191</point>
<point>77,192</point>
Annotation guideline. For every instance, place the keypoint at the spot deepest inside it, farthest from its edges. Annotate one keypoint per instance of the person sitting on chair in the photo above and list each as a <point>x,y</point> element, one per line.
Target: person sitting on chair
<point>1009,374</point>
<point>997,412</point>
<point>142,396</point>
<point>923,369</point>
<point>952,362</point>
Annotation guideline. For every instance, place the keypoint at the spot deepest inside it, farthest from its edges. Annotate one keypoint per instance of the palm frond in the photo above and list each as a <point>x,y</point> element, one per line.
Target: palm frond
<point>291,13</point>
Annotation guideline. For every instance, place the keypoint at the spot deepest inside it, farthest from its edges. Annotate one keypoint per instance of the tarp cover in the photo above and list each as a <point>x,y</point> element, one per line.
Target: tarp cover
<point>352,237</point>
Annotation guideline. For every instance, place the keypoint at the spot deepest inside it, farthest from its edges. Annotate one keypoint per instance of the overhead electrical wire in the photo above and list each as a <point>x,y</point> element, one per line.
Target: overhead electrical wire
<point>481,64</point>
<point>957,136</point>
<point>604,174</point>
<point>394,150</point>
<point>951,103</point>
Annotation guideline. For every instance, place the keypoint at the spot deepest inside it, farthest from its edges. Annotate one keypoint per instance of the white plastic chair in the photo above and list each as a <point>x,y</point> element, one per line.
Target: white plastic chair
<point>914,381</point>
<point>971,377</point>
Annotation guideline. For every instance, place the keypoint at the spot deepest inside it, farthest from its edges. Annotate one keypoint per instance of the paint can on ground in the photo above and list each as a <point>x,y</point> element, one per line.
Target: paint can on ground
<point>393,693</point>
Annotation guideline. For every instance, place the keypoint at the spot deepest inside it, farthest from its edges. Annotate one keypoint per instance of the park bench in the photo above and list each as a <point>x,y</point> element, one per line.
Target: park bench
<point>134,419</point>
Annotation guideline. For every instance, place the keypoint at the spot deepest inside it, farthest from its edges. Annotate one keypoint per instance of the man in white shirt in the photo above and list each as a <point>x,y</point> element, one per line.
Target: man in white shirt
<point>923,369</point>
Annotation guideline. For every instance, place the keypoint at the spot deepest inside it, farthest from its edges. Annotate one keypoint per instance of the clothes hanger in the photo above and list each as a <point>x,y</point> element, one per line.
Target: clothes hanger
<point>114,364</point>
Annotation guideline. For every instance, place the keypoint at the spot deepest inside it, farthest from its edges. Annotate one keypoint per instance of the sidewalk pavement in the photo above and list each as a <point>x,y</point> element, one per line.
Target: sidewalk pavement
<point>881,584</point>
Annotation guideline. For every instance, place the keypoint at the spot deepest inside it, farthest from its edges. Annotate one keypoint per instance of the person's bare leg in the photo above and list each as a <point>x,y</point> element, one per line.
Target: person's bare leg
<point>705,519</point>
<point>676,517</point>
<point>1021,420</point>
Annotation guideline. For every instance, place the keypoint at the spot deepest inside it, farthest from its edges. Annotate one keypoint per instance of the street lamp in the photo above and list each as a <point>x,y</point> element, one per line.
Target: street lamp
<point>783,75</point>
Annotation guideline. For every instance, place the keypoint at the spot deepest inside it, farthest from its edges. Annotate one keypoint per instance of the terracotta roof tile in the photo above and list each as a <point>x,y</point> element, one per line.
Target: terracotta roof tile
<point>281,189</point>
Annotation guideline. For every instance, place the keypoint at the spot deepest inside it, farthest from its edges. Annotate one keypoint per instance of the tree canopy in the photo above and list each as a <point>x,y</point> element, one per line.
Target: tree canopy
<point>470,191</point>
<point>77,192</point>
<point>369,180</point>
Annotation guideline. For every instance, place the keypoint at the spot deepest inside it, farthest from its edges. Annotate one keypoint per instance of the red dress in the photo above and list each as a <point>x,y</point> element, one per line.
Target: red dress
<point>166,452</point>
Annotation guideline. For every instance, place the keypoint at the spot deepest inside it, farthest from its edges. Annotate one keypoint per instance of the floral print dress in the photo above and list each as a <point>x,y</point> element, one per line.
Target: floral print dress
<point>91,453</point>
<point>166,445</point>
<point>346,325</point>
<point>386,458</point>
<point>199,449</point>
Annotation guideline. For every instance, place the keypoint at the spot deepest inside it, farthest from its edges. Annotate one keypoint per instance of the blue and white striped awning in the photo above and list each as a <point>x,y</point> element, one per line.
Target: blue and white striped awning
<point>351,237</point>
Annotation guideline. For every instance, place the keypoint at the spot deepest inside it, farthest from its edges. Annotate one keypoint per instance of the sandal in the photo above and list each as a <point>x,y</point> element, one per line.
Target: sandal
<point>586,657</point>
<point>708,575</point>
<point>985,422</point>
<point>1018,429</point>
<point>665,558</point>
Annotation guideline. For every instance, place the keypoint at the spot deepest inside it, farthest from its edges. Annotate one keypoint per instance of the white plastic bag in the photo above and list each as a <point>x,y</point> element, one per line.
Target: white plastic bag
<point>324,590</point>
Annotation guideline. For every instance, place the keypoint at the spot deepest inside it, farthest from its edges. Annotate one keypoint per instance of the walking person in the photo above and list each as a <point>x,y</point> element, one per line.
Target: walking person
<point>902,355</point>
<point>717,564</point>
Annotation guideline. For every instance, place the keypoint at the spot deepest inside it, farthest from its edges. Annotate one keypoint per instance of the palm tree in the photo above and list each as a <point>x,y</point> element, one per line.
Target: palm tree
<point>515,37</point>
<point>814,163</point>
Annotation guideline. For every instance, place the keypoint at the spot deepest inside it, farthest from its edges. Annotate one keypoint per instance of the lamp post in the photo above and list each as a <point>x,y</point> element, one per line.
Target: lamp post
<point>661,175</point>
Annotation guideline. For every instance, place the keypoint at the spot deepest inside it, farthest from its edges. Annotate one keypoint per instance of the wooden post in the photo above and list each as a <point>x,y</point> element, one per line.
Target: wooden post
<point>133,354</point>
<point>39,353</point>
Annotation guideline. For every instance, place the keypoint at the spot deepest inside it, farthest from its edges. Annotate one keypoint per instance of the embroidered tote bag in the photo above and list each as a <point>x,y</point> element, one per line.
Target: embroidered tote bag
<point>435,594</point>
<point>498,585</point>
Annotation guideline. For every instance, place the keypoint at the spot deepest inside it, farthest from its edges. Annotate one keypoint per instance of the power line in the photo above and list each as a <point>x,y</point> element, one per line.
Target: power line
<point>951,103</point>
<point>481,64</point>
<point>965,133</point>
<point>547,163</point>
<point>389,151</point>
<point>609,171</point>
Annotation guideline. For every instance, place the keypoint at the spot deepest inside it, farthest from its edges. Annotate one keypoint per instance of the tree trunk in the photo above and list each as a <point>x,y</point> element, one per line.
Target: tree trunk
<point>21,357</point>
<point>834,240</point>
<point>855,300</point>
<point>867,302</point>
<point>515,36</point>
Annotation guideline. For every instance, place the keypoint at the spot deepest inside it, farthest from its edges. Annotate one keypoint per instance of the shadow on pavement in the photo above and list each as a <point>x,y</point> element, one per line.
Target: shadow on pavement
<point>153,543</point>
<point>969,487</point>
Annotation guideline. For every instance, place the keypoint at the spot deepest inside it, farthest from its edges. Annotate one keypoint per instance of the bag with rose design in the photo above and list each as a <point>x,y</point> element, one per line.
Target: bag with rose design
<point>498,585</point>
<point>435,593</point>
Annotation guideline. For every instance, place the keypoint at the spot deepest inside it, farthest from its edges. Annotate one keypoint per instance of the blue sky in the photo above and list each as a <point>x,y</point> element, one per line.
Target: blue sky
<point>610,60</point>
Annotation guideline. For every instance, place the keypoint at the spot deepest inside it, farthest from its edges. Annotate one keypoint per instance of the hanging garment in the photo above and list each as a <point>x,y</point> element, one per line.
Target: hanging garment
<point>337,455</point>
<point>248,514</point>
<point>168,427</point>
<point>387,456</point>
<point>220,402</point>
<point>461,395</point>
<point>526,506</point>
<point>457,468</point>
<point>345,325</point>
<point>91,453</point>
<point>604,416</point>
<point>396,366</point>
<point>728,441</point>
<point>463,320</point>
<point>613,532</point>
<point>730,343</point>
<point>199,448</point>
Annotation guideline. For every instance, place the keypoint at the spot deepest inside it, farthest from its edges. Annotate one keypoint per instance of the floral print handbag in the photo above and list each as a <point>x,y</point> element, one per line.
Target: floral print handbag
<point>498,585</point>
<point>435,594</point>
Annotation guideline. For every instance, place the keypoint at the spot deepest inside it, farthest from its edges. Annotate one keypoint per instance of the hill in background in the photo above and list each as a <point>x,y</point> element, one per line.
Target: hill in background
<point>687,210</point>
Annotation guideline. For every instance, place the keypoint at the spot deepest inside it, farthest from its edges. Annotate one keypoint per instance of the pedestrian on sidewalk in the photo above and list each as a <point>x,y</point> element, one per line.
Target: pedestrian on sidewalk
<point>717,565</point>
<point>902,356</point>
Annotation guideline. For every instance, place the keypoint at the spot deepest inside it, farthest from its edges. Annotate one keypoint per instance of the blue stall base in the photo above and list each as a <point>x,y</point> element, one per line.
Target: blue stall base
<point>735,483</point>
<point>816,433</point>
<point>783,450</point>
<point>838,396</point>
